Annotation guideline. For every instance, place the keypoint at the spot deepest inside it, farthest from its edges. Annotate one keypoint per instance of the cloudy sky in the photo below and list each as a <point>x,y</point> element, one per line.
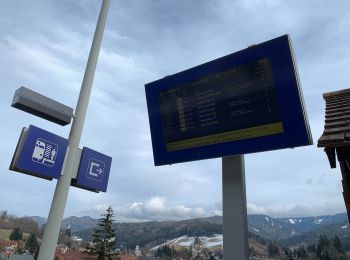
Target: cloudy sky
<point>44,45</point>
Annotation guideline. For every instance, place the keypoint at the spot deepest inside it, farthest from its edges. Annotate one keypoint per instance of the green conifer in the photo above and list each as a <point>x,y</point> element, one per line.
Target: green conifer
<point>104,236</point>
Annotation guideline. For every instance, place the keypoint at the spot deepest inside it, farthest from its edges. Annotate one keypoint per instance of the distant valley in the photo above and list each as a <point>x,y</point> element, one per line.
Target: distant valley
<point>267,236</point>
<point>285,231</point>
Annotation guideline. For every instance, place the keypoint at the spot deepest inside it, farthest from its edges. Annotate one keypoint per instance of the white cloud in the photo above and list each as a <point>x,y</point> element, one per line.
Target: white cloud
<point>254,209</point>
<point>157,208</point>
<point>301,210</point>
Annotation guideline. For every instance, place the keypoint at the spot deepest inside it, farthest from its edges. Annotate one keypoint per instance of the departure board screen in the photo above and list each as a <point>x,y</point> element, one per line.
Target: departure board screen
<point>245,102</point>
<point>231,105</point>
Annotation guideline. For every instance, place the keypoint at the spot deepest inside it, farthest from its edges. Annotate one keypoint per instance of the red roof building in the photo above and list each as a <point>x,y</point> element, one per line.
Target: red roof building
<point>8,243</point>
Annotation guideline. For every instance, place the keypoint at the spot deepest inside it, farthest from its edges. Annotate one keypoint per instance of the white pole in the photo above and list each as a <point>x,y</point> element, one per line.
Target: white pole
<point>234,207</point>
<point>52,229</point>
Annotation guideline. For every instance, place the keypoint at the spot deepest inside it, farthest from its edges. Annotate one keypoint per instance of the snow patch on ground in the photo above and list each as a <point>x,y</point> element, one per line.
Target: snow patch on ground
<point>267,219</point>
<point>343,227</point>
<point>217,240</point>
<point>318,221</point>
<point>291,221</point>
<point>186,241</point>
<point>175,241</point>
<point>256,230</point>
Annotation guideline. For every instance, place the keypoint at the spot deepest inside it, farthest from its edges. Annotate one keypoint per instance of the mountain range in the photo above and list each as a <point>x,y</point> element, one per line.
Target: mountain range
<point>285,231</point>
<point>280,229</point>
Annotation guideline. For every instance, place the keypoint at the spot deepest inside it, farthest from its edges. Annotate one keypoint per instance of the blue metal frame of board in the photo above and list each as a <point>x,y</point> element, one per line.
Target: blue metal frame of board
<point>246,102</point>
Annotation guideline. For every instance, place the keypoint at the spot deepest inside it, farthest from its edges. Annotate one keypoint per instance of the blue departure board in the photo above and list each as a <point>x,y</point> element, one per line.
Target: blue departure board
<point>246,102</point>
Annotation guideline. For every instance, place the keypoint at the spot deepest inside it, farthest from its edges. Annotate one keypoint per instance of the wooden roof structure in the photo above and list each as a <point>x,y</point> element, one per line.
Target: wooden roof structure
<point>336,136</point>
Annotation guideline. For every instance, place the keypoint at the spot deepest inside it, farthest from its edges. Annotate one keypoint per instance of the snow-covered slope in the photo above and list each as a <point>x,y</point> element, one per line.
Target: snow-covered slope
<point>187,242</point>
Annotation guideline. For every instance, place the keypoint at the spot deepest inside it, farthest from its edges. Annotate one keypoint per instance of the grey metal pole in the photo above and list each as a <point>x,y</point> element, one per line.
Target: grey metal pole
<point>234,203</point>
<point>52,229</point>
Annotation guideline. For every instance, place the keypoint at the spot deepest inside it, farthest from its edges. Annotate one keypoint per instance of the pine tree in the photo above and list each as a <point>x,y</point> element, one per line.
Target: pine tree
<point>322,246</point>
<point>301,252</point>
<point>16,234</point>
<point>272,249</point>
<point>32,243</point>
<point>318,250</point>
<point>337,244</point>
<point>104,236</point>
<point>3,215</point>
<point>323,241</point>
<point>325,256</point>
<point>311,248</point>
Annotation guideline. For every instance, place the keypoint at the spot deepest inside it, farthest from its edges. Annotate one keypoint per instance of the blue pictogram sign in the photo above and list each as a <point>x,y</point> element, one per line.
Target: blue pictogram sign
<point>93,172</point>
<point>45,152</point>
<point>41,153</point>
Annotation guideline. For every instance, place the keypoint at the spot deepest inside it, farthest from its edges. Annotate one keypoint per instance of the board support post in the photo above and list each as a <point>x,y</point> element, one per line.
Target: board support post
<point>234,206</point>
